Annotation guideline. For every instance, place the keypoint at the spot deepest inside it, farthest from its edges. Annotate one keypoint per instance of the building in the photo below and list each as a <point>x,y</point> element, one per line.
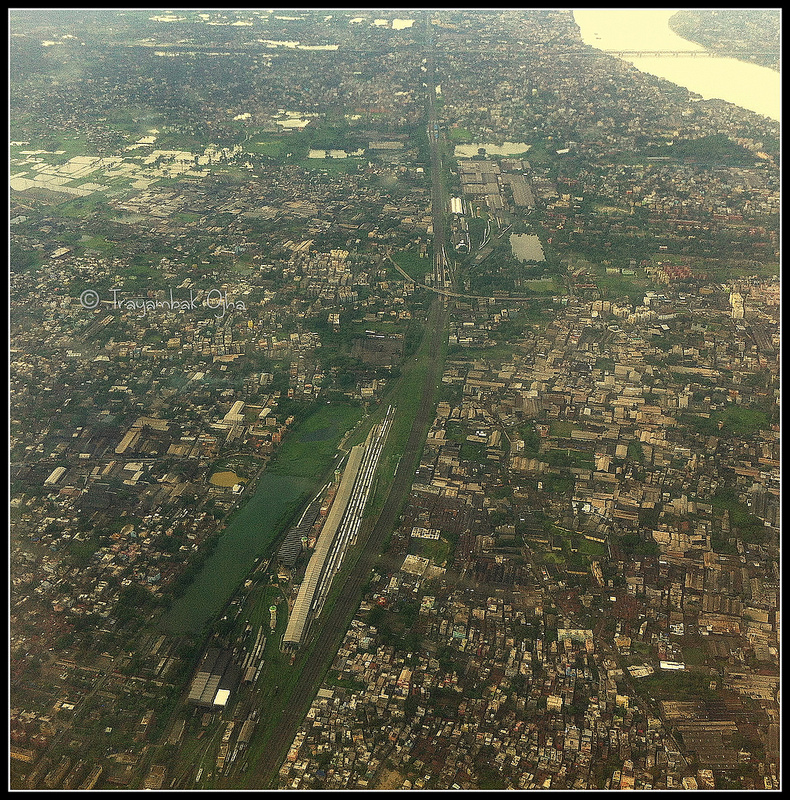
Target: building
<point>216,677</point>
<point>300,616</point>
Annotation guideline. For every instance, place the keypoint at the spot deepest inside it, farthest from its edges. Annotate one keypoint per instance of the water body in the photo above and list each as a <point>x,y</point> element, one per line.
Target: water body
<point>248,536</point>
<point>746,85</point>
<point>504,149</point>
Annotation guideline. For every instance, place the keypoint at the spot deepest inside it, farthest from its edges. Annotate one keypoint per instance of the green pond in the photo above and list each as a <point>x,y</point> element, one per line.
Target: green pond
<point>283,489</point>
<point>249,535</point>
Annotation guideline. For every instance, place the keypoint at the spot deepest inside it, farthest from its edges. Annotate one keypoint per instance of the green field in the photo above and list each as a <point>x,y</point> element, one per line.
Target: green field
<point>735,420</point>
<point>275,147</point>
<point>562,428</point>
<point>436,550</point>
<point>96,243</point>
<point>460,135</point>
<point>411,263</point>
<point>569,458</point>
<point>616,286</point>
<point>332,166</point>
<point>676,685</point>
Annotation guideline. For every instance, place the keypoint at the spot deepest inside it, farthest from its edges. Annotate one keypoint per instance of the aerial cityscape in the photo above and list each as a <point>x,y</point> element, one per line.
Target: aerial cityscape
<point>394,403</point>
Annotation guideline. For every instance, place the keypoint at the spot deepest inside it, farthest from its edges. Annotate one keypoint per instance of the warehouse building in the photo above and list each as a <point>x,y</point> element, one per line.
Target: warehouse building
<point>300,616</point>
<point>216,677</point>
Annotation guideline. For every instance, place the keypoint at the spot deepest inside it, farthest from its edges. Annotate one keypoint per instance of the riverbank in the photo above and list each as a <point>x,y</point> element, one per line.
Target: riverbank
<point>749,86</point>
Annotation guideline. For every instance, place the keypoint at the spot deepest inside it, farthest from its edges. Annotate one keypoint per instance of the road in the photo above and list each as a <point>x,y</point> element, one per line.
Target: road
<point>442,276</point>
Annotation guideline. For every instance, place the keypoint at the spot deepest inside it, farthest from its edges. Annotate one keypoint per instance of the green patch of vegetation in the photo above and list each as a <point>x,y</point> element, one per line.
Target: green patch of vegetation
<point>633,544</point>
<point>541,286</point>
<point>648,517</point>
<point>81,207</point>
<point>98,243</point>
<point>563,483</point>
<point>553,557</point>
<point>569,458</point>
<point>80,551</point>
<point>635,452</point>
<point>742,523</point>
<point>562,428</point>
<point>695,656</point>
<point>273,146</point>
<point>473,451</point>
<point>716,148</point>
<point>542,152</point>
<point>412,263</point>
<point>456,432</point>
<point>500,353</point>
<point>609,207</point>
<point>437,551</point>
<point>22,259</point>
<point>744,421</point>
<point>618,287</point>
<point>531,441</point>
<point>537,312</point>
<point>134,601</point>
<point>134,120</point>
<point>305,454</point>
<point>333,679</point>
<point>71,144</point>
<point>677,685</point>
<point>244,466</point>
<point>461,135</point>
<point>735,420</point>
<point>590,548</point>
<point>332,166</point>
<point>605,363</point>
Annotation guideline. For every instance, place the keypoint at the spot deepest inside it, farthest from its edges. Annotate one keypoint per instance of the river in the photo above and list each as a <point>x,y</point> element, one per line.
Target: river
<point>746,85</point>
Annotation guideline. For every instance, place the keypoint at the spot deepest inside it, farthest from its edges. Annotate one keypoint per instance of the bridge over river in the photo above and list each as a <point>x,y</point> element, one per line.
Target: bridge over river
<point>693,53</point>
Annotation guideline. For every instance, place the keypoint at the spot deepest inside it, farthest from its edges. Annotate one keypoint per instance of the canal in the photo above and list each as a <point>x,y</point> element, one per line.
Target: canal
<point>307,455</point>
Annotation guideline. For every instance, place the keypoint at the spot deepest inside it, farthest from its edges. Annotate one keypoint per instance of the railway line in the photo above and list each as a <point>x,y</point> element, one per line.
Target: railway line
<point>334,619</point>
<point>349,526</point>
